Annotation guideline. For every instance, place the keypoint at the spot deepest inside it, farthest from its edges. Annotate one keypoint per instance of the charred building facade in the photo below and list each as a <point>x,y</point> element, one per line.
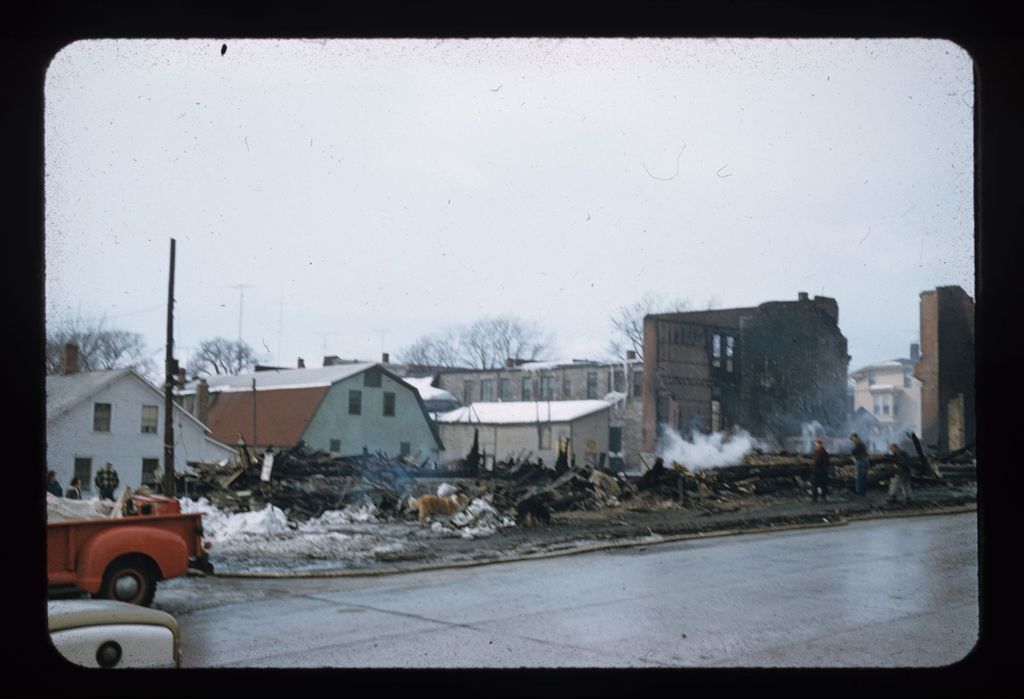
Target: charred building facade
<point>767,369</point>
<point>946,369</point>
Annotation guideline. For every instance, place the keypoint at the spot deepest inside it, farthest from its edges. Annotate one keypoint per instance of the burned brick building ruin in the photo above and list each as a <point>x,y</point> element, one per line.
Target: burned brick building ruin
<point>767,369</point>
<point>946,369</point>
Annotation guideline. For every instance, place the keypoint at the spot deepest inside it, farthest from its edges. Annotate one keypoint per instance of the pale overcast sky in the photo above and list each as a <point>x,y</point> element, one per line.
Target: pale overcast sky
<point>371,191</point>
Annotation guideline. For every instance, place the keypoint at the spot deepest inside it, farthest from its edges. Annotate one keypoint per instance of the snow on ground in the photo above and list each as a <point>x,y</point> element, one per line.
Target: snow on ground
<point>265,540</point>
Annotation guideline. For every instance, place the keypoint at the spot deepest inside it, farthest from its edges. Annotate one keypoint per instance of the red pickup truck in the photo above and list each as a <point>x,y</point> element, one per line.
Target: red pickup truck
<point>123,558</point>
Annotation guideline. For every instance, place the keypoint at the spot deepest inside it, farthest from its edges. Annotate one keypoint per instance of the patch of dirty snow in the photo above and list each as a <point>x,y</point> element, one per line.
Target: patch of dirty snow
<point>446,489</point>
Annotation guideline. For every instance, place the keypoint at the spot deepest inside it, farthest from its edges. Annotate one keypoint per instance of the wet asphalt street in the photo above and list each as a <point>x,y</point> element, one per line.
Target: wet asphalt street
<point>882,593</point>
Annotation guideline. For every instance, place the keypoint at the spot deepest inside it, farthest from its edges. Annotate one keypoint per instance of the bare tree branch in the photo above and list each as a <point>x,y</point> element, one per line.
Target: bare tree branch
<point>484,344</point>
<point>99,348</point>
<point>628,322</point>
<point>222,356</point>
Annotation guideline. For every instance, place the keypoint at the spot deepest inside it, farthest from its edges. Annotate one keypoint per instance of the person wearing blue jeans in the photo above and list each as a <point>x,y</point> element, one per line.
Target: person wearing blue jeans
<point>859,452</point>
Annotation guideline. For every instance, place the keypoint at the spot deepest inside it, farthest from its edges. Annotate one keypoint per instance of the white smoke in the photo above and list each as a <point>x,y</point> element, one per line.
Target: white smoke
<point>703,451</point>
<point>809,431</point>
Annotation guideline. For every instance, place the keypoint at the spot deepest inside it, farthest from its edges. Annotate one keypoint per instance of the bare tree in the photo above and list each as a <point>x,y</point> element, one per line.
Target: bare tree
<point>628,322</point>
<point>504,337</point>
<point>484,344</point>
<point>222,356</point>
<point>440,349</point>
<point>99,348</point>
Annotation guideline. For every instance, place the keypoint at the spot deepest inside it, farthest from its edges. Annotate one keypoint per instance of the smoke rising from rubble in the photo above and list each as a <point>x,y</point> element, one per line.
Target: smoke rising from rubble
<point>703,451</point>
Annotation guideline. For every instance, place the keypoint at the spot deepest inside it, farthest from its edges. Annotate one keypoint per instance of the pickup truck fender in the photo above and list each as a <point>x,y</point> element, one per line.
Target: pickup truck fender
<point>166,549</point>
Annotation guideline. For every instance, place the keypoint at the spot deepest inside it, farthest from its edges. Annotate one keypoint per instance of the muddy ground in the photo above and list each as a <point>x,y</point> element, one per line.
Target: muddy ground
<point>642,519</point>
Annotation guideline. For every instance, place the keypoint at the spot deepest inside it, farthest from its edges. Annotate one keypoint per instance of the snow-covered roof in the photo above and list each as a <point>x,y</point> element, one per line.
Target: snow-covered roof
<point>278,379</point>
<point>65,391</point>
<point>523,412</point>
<point>426,391</point>
<point>557,364</point>
<point>891,364</point>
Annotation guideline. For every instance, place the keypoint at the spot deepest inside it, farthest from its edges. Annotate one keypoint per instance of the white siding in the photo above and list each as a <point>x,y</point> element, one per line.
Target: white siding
<point>70,435</point>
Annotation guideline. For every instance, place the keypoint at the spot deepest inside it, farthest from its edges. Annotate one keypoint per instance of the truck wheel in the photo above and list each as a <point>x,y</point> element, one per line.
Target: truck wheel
<point>131,580</point>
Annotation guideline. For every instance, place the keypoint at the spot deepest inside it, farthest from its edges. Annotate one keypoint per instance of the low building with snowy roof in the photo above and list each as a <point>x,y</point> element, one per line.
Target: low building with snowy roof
<point>535,428</point>
<point>341,408</point>
<point>93,417</point>
<point>562,381</point>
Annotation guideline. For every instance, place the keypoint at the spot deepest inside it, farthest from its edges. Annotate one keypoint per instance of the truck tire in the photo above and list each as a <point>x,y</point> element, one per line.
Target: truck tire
<point>130,579</point>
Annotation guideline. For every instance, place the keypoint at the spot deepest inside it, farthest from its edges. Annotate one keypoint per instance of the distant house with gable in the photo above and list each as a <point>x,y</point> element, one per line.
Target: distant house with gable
<point>340,408</point>
<point>93,417</point>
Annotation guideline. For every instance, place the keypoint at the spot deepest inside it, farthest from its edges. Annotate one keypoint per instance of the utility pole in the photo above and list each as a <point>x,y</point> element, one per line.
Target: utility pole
<point>170,379</point>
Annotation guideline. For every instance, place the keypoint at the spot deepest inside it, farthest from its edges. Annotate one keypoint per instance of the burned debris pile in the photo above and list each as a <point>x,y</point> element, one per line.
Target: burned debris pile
<point>304,483</point>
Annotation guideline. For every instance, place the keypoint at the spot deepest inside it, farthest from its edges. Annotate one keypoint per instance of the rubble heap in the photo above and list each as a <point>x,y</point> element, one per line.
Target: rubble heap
<point>304,483</point>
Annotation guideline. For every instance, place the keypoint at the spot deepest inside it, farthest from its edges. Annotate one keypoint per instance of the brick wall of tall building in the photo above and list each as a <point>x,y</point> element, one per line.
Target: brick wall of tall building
<point>767,369</point>
<point>946,368</point>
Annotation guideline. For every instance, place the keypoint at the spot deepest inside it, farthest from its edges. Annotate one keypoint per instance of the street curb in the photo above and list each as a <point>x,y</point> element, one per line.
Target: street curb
<point>631,543</point>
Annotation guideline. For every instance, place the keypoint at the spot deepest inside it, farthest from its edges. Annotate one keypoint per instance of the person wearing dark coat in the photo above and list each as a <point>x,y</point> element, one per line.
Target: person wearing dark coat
<point>901,477</point>
<point>106,481</point>
<point>819,471</point>
<point>859,452</point>
<point>74,491</point>
<point>52,485</point>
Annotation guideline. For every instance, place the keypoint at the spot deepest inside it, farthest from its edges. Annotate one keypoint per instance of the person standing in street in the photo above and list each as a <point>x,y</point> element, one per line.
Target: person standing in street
<point>859,452</point>
<point>52,485</point>
<point>74,491</point>
<point>107,481</point>
<point>901,476</point>
<point>819,471</point>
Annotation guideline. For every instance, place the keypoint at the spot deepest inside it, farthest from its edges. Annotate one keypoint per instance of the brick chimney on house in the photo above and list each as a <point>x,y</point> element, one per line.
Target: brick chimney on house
<point>630,354</point>
<point>181,377</point>
<point>385,358</point>
<point>69,359</point>
<point>509,362</point>
<point>202,400</point>
<point>801,296</point>
<point>302,363</point>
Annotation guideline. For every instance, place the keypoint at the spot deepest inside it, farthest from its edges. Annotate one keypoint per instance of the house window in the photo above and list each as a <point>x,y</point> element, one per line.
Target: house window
<point>730,346</point>
<point>404,449</point>
<point>895,408</point>
<point>906,377</point>
<point>487,390</point>
<point>149,418</point>
<point>591,384</point>
<point>371,378</point>
<point>355,402</point>
<point>716,416</point>
<point>504,389</point>
<point>547,390</point>
<point>101,417</point>
<point>149,469</point>
<point>83,472</point>
<point>389,404</point>
<point>566,387</point>
<point>876,405</point>
<point>527,388</point>
<point>335,445</point>
<point>716,351</point>
<point>638,383</point>
<point>871,379</point>
<point>467,392</point>
<point>619,381</point>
